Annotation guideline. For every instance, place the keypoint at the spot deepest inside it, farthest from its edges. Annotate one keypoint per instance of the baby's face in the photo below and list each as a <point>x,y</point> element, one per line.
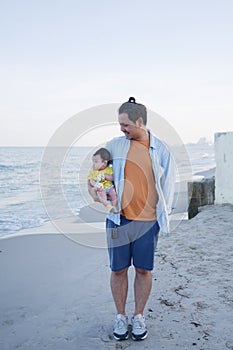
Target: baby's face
<point>98,162</point>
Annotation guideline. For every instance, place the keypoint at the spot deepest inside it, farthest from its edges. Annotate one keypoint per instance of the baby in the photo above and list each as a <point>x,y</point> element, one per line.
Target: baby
<point>100,180</point>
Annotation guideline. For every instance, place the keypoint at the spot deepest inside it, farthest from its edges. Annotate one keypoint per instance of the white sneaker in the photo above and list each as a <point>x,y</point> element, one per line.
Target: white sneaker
<point>120,330</point>
<point>139,330</point>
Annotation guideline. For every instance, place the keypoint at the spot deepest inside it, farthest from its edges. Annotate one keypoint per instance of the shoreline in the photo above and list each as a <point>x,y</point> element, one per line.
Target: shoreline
<point>206,173</point>
<point>86,212</point>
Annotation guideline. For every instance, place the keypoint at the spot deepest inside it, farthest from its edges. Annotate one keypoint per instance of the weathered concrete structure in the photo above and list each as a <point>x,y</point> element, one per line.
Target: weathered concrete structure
<point>224,167</point>
<point>200,193</point>
<point>217,189</point>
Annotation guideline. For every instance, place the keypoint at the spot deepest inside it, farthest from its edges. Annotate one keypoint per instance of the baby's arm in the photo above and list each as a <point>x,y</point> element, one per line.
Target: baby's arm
<point>109,177</point>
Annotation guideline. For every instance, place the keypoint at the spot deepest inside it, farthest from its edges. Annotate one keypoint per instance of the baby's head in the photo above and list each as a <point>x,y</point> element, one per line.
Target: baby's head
<point>101,159</point>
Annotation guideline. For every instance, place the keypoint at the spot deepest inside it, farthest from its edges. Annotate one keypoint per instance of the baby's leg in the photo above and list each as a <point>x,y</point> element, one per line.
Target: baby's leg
<point>102,197</point>
<point>113,196</point>
<point>93,193</point>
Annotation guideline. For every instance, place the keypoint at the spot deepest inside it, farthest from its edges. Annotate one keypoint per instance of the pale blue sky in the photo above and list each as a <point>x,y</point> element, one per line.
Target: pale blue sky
<point>61,57</point>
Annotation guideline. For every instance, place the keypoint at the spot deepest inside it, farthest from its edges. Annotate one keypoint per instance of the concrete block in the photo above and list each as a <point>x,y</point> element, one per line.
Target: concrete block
<point>224,167</point>
<point>200,193</point>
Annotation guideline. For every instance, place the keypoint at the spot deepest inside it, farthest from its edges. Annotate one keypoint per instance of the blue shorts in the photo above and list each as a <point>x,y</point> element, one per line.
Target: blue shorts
<point>132,242</point>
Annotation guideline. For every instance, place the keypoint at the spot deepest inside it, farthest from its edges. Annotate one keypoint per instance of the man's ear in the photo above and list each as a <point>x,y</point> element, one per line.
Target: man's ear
<point>139,122</point>
<point>105,162</point>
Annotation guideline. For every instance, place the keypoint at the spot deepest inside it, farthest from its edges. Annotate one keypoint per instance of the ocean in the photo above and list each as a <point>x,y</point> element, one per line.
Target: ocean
<point>21,205</point>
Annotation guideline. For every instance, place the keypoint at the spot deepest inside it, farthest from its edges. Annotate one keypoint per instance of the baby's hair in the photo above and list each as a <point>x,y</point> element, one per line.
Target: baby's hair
<point>104,154</point>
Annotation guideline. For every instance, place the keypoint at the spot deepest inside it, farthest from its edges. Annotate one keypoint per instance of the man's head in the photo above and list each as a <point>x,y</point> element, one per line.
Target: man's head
<point>134,110</point>
<point>133,119</point>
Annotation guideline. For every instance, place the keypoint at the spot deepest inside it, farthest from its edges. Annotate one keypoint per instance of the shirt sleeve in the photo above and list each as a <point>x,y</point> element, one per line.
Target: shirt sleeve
<point>168,178</point>
<point>109,171</point>
<point>108,146</point>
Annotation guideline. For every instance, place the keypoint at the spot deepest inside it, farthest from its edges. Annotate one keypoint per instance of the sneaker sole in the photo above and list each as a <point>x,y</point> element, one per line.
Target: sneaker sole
<point>139,337</point>
<point>121,337</point>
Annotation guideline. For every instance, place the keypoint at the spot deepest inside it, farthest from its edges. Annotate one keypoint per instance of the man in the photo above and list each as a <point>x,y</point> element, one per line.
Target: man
<point>144,177</point>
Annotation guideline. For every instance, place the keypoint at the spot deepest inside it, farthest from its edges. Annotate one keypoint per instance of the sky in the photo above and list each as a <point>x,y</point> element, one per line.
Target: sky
<point>59,58</point>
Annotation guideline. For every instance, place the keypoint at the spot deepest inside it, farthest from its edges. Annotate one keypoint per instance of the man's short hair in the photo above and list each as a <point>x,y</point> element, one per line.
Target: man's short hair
<point>134,110</point>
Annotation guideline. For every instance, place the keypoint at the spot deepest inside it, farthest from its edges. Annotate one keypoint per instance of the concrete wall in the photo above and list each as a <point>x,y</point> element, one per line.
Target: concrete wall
<point>200,193</point>
<point>224,167</point>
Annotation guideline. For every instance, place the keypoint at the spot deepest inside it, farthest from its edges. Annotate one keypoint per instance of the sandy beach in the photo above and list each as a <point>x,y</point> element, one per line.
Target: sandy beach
<point>55,292</point>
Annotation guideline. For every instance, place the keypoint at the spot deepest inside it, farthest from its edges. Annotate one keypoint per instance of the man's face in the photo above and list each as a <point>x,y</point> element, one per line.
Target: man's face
<point>131,130</point>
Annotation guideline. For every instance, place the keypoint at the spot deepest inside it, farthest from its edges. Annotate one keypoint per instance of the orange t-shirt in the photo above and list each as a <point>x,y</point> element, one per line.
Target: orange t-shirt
<point>140,196</point>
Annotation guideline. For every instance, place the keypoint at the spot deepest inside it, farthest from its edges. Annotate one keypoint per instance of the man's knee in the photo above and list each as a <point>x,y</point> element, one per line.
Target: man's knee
<point>120,273</point>
<point>143,272</point>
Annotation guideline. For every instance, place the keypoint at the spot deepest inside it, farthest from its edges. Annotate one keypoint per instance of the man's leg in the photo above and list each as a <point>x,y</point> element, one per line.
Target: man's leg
<point>143,259</point>
<point>142,289</point>
<point>119,250</point>
<point>119,287</point>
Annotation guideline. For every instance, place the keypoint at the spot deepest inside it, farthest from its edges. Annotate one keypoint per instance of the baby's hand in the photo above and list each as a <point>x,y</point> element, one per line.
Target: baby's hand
<point>100,177</point>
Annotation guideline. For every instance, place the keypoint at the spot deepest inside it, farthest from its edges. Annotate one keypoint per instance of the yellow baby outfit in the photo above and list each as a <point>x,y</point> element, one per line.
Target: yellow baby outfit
<point>96,175</point>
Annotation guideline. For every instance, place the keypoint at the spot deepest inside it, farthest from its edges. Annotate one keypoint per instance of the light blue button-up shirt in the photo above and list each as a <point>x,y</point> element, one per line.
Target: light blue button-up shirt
<point>164,172</point>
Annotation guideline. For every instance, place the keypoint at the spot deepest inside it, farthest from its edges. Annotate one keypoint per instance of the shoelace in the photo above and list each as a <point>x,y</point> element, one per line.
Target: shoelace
<point>120,323</point>
<point>138,324</point>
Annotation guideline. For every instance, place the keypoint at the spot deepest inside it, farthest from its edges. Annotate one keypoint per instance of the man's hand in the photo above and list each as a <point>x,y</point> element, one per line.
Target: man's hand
<point>99,186</point>
<point>92,182</point>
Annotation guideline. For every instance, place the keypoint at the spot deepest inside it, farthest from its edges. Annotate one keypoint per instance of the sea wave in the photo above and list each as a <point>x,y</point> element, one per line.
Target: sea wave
<point>21,203</point>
